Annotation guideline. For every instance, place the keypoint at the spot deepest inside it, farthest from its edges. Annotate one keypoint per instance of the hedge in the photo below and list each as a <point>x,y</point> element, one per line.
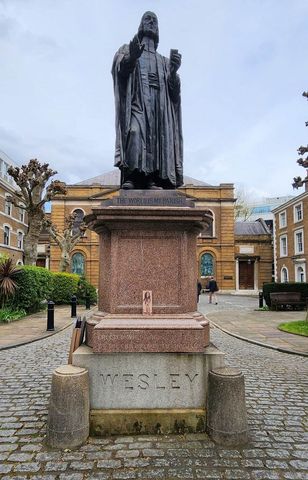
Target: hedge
<point>84,288</point>
<point>65,285</point>
<point>284,287</point>
<point>34,286</point>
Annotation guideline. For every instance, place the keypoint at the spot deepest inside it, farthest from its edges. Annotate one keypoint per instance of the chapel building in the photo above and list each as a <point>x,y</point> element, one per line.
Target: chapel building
<point>217,252</point>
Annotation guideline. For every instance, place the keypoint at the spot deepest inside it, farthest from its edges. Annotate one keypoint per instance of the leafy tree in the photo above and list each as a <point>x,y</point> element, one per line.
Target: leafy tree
<point>303,162</point>
<point>68,239</point>
<point>33,192</point>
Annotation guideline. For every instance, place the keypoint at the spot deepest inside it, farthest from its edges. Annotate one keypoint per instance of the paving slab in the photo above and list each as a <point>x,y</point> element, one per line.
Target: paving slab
<point>240,316</point>
<point>34,327</point>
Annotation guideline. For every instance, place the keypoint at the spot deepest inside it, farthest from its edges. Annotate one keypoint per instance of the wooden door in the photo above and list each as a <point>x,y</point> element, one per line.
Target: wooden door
<point>246,276</point>
<point>41,262</point>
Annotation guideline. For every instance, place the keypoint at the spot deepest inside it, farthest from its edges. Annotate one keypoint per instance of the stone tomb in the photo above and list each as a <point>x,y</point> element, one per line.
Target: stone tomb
<point>147,373</point>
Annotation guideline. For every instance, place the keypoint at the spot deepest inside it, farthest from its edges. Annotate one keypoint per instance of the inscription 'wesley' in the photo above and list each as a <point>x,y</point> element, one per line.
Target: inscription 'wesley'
<point>143,381</point>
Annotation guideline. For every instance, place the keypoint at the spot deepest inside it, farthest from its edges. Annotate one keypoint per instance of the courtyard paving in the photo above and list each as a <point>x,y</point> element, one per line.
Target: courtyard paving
<point>276,389</point>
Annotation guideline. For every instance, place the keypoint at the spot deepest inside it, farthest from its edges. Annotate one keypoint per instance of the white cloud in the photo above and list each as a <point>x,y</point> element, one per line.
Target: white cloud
<point>242,76</point>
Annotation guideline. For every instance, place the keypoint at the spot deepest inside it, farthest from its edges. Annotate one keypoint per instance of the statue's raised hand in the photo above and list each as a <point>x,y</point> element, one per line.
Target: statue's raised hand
<point>175,61</point>
<point>135,48</point>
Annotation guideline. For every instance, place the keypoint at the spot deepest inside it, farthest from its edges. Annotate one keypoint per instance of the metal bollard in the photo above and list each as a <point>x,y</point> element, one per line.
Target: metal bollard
<point>260,299</point>
<point>88,301</point>
<point>74,306</point>
<point>50,316</point>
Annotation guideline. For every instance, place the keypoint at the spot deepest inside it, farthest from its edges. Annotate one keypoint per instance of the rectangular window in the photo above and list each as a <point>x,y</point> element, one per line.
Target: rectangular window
<point>299,241</point>
<point>283,246</point>
<point>6,237</point>
<point>282,219</point>
<point>20,238</point>
<point>5,169</point>
<point>298,212</point>
<point>21,215</point>
<point>8,207</point>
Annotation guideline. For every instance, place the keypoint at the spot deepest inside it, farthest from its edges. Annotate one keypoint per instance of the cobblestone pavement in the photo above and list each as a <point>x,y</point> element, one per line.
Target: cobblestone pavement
<point>276,387</point>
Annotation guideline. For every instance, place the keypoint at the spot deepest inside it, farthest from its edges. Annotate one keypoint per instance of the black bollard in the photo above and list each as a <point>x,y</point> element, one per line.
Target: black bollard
<point>74,306</point>
<point>260,299</point>
<point>50,316</point>
<point>88,301</point>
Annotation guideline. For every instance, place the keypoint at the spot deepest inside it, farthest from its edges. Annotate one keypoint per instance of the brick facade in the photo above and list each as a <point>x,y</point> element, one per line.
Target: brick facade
<point>13,224</point>
<point>291,240</point>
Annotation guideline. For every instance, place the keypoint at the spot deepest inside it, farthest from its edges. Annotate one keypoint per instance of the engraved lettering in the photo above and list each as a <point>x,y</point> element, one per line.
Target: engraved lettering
<point>193,378</point>
<point>150,201</point>
<point>174,378</point>
<point>110,377</point>
<point>127,381</point>
<point>143,383</point>
<point>158,386</point>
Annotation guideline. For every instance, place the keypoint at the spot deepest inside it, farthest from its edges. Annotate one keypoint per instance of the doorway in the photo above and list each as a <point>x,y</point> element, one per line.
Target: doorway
<point>246,275</point>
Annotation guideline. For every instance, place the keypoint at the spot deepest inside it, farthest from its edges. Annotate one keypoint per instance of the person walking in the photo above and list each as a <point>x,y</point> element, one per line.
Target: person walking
<point>213,288</point>
<point>199,289</point>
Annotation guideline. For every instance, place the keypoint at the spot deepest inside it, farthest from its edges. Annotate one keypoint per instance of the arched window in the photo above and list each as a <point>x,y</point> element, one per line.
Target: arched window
<point>206,265</point>
<point>284,275</point>
<point>300,274</point>
<point>20,240</point>
<point>6,235</point>
<point>79,215</point>
<point>8,205</point>
<point>78,263</point>
<point>208,230</point>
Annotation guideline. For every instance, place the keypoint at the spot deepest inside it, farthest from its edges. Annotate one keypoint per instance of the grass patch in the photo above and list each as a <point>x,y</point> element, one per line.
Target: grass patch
<point>299,328</point>
<point>8,315</point>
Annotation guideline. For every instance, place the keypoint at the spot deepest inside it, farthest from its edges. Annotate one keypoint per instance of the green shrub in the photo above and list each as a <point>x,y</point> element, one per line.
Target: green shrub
<point>284,287</point>
<point>34,287</point>
<point>85,287</point>
<point>9,315</point>
<point>64,286</point>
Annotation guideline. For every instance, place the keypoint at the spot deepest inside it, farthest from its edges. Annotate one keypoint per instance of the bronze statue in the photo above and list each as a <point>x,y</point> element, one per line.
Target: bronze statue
<point>149,144</point>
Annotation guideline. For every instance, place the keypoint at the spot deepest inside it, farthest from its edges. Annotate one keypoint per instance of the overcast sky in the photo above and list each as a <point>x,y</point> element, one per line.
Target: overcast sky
<point>244,68</point>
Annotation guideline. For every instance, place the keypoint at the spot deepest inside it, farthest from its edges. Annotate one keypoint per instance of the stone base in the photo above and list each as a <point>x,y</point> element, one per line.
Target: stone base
<point>147,421</point>
<point>148,380</point>
<point>110,333</point>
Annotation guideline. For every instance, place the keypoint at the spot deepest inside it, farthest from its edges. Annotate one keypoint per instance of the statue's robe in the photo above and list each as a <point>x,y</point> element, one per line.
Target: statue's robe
<point>148,118</point>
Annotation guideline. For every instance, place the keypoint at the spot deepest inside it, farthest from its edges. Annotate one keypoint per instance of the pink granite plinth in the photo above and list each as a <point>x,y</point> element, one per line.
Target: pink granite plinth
<point>158,333</point>
<point>147,242</point>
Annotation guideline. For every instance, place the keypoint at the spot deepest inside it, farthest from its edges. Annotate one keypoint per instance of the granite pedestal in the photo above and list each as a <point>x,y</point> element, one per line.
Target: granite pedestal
<point>147,372</point>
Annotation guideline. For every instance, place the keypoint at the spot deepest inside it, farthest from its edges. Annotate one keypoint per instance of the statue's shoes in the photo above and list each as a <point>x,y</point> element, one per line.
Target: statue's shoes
<point>128,185</point>
<point>152,186</point>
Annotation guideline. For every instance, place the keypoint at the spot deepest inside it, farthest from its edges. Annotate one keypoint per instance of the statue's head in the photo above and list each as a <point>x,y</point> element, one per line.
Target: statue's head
<point>149,27</point>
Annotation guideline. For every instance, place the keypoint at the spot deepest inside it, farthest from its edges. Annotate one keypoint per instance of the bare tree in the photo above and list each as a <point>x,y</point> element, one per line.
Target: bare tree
<point>242,208</point>
<point>303,162</point>
<point>66,240</point>
<point>31,180</point>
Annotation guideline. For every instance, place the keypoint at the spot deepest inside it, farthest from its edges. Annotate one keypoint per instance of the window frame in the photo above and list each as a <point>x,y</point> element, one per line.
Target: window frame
<point>284,268</point>
<point>285,219</point>
<point>8,206</point>
<point>303,273</point>
<point>21,213</point>
<point>283,237</point>
<point>82,254</point>
<point>7,244</point>
<point>295,212</point>
<point>20,234</point>
<point>213,264</point>
<point>296,250</point>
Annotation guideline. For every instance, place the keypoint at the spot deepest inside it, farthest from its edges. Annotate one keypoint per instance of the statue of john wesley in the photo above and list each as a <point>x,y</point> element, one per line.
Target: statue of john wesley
<point>149,145</point>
